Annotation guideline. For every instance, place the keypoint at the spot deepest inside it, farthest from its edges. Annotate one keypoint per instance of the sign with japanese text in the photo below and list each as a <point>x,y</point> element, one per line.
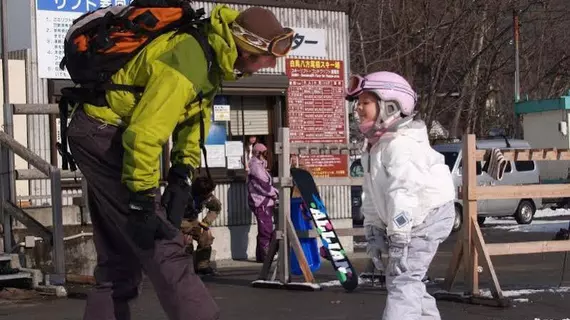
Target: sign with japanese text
<point>316,111</point>
<point>53,19</point>
<point>325,165</point>
<point>316,104</point>
<point>309,42</point>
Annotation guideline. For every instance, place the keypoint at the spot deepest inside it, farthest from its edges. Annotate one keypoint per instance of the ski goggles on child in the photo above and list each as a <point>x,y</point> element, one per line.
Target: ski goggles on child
<point>279,46</point>
<point>357,84</point>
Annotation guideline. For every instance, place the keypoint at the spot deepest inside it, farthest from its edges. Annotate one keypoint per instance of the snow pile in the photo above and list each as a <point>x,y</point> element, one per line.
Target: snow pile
<point>360,245</point>
<point>543,226</point>
<point>524,292</point>
<point>336,283</point>
<point>546,213</point>
<point>537,225</point>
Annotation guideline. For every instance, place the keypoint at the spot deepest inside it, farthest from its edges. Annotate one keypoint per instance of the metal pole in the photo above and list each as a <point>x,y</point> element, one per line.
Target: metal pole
<point>517,61</point>
<point>58,250</point>
<point>7,183</point>
<point>284,205</point>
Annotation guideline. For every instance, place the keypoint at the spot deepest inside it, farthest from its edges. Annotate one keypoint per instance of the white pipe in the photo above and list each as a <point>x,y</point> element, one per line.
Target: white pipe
<point>75,236</point>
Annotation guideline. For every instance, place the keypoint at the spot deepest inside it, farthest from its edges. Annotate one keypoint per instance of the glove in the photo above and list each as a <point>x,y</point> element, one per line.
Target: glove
<point>398,255</point>
<point>376,244</point>
<point>206,238</point>
<point>144,226</point>
<point>177,193</point>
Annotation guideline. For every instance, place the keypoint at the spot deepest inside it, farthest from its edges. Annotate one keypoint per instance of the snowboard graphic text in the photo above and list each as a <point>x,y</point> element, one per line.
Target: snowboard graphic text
<point>326,231</point>
<point>332,248</point>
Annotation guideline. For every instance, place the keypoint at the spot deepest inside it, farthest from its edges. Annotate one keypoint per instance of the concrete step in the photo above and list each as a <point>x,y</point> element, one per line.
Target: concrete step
<point>19,275</point>
<point>5,257</point>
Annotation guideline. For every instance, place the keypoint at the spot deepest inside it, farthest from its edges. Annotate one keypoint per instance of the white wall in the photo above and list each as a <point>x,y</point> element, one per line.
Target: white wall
<point>17,84</point>
<point>541,130</point>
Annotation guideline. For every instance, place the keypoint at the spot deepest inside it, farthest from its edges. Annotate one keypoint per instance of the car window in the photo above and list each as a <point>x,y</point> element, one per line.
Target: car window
<point>524,165</point>
<point>479,167</point>
<point>450,158</point>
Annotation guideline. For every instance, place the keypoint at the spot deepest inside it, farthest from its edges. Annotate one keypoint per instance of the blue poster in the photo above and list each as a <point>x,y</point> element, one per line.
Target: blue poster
<point>80,6</point>
<point>218,129</point>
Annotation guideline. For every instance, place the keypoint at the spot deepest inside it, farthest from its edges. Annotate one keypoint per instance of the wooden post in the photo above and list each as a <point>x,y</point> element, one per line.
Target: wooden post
<point>469,176</point>
<point>284,205</point>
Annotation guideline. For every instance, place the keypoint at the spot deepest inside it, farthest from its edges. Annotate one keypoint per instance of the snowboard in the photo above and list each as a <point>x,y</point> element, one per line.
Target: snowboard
<point>345,272</point>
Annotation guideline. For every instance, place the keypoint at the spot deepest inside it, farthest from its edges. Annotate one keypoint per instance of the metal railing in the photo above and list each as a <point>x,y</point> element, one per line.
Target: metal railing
<point>54,174</point>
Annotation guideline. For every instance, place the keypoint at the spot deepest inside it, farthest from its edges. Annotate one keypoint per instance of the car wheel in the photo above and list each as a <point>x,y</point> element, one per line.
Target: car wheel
<point>458,219</point>
<point>525,212</point>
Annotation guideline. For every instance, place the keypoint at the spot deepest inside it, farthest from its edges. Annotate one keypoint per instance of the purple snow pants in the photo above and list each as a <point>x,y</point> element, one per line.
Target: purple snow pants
<point>264,216</point>
<point>98,151</point>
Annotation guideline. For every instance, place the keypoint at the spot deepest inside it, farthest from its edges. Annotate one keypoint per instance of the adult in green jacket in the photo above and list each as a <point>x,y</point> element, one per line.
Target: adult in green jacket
<point>117,148</point>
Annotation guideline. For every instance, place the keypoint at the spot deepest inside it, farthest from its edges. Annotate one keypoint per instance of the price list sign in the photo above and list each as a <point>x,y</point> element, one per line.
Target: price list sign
<point>317,111</point>
<point>53,19</point>
<point>316,105</point>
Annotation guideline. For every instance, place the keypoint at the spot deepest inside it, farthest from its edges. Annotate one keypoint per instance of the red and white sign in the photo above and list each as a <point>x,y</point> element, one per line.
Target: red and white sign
<point>316,105</point>
<point>316,111</point>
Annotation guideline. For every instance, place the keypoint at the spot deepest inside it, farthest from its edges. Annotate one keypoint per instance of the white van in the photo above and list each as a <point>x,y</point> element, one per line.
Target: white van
<point>516,173</point>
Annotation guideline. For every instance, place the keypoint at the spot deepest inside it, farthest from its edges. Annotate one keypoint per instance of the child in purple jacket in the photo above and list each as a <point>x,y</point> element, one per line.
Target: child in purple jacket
<point>261,199</point>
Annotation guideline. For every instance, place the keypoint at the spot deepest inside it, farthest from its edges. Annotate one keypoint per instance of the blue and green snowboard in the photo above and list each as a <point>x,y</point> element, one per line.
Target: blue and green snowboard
<point>345,272</point>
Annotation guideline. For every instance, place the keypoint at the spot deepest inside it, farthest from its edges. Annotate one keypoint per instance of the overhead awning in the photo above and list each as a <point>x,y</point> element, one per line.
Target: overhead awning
<point>258,84</point>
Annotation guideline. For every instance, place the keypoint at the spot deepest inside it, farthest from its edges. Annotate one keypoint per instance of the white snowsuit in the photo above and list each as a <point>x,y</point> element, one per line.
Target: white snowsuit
<point>408,192</point>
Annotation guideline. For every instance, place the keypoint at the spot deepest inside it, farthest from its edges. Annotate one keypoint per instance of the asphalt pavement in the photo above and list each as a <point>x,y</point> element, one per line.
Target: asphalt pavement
<point>532,281</point>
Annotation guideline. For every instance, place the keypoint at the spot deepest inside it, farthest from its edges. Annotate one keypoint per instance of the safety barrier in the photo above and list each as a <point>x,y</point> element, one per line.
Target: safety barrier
<point>471,245</point>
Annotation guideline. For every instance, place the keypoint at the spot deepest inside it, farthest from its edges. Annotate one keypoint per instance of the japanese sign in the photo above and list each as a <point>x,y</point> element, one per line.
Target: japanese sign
<point>316,105</point>
<point>309,43</point>
<point>53,19</point>
<point>317,111</point>
<point>325,165</point>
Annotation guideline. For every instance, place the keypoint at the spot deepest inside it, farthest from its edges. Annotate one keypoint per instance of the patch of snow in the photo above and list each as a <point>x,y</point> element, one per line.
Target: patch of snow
<point>539,226</point>
<point>275,282</point>
<point>520,300</point>
<point>336,283</point>
<point>333,283</point>
<point>360,245</point>
<point>545,213</point>
<point>524,292</point>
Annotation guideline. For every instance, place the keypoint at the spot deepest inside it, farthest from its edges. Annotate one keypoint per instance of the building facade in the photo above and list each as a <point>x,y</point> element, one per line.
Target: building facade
<point>254,106</point>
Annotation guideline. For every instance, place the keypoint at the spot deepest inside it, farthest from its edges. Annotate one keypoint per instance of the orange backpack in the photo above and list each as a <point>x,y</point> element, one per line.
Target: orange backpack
<point>101,42</point>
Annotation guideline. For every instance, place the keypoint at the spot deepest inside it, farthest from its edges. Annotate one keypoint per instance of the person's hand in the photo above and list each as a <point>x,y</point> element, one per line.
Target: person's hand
<point>398,255</point>
<point>206,238</point>
<point>144,226</point>
<point>177,194</point>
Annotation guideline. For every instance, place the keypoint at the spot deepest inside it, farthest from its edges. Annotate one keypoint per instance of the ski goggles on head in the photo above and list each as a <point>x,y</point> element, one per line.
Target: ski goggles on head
<point>279,46</point>
<point>357,84</point>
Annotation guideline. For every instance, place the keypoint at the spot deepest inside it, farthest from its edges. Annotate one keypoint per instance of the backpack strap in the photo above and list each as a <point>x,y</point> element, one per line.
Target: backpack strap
<point>198,33</point>
<point>203,135</point>
<point>66,158</point>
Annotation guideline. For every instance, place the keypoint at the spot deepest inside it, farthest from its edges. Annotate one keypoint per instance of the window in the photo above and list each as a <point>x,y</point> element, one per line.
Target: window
<point>479,167</point>
<point>450,158</point>
<point>524,165</point>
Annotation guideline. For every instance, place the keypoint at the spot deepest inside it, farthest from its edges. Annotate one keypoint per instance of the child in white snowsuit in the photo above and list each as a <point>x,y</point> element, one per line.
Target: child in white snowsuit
<point>407,186</point>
